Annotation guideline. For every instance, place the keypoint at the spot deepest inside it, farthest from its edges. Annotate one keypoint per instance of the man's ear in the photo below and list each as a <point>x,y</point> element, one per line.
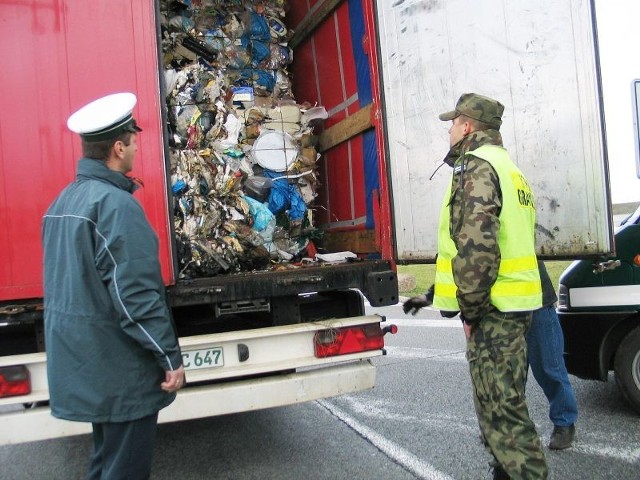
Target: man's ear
<point>468,128</point>
<point>118,148</point>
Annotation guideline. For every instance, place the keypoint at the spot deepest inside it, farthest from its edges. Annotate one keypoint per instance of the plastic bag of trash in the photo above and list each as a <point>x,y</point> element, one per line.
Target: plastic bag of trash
<point>258,187</point>
<point>262,216</point>
<point>257,28</point>
<point>285,196</point>
<point>259,78</point>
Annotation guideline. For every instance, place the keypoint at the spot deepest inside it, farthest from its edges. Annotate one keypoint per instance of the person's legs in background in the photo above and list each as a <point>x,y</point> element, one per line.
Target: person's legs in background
<point>545,345</point>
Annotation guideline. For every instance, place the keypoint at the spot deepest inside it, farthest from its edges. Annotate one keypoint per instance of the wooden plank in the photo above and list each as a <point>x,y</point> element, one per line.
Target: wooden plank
<point>311,21</point>
<point>357,241</point>
<point>346,129</point>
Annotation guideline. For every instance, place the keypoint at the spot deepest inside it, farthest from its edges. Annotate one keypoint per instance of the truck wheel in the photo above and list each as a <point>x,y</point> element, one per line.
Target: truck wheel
<point>627,368</point>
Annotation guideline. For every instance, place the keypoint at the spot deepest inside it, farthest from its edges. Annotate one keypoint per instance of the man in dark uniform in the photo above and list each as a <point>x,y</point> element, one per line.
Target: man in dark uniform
<point>112,354</point>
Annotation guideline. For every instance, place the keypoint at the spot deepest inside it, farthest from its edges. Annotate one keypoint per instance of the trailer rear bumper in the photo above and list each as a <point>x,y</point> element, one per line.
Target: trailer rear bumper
<point>36,424</point>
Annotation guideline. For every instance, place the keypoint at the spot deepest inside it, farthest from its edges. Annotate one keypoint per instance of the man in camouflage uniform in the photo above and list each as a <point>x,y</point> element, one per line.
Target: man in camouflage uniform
<point>473,218</point>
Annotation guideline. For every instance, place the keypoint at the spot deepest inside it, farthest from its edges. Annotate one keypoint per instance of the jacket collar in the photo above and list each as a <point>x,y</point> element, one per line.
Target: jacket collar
<point>97,170</point>
<point>471,142</point>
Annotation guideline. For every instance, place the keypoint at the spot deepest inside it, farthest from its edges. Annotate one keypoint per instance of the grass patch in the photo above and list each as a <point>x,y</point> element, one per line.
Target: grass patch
<point>425,274</point>
<point>555,269</point>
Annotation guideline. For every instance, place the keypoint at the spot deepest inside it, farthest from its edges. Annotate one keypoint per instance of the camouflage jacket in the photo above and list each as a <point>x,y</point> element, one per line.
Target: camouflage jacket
<point>475,203</point>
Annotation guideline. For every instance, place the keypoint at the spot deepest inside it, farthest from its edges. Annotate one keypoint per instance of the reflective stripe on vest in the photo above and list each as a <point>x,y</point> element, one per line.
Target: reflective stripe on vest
<point>517,287</point>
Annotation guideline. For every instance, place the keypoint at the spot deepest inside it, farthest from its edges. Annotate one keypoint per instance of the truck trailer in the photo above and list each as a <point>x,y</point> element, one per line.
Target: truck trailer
<point>295,330</point>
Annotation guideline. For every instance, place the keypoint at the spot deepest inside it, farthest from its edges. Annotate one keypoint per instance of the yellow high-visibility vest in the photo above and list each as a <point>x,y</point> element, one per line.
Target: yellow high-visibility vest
<point>517,287</point>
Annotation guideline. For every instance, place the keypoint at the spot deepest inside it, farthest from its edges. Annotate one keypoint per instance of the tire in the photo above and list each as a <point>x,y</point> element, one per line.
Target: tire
<point>627,368</point>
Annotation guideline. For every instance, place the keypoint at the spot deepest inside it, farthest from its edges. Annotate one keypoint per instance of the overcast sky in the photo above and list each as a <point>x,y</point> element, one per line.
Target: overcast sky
<point>619,38</point>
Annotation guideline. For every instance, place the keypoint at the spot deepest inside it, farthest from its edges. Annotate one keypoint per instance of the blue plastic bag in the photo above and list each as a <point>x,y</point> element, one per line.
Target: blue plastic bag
<point>285,196</point>
<point>258,28</point>
<point>260,213</point>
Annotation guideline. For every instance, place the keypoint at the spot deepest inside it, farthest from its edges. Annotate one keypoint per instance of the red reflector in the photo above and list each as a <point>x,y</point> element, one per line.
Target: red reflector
<point>14,381</point>
<point>341,341</point>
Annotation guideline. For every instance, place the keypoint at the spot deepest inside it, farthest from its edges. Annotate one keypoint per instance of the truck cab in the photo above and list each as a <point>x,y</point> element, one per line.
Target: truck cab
<point>599,310</point>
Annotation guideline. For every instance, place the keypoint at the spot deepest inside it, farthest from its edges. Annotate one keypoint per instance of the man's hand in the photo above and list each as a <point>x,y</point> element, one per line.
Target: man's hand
<point>468,330</point>
<point>414,304</point>
<point>469,327</point>
<point>173,380</point>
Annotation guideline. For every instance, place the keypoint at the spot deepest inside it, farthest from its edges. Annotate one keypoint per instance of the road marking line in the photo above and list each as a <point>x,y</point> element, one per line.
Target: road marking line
<point>401,456</point>
<point>425,322</point>
<point>630,455</point>
<point>426,353</point>
<point>379,409</point>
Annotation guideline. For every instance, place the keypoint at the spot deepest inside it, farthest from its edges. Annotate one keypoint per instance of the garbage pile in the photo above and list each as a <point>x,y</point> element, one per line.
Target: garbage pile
<point>243,166</point>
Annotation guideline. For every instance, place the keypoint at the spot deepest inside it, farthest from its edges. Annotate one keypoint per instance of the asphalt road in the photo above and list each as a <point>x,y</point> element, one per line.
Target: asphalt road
<point>418,422</point>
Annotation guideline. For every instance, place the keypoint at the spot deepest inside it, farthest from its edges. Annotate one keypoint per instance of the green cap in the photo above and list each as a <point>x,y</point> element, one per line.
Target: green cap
<point>483,109</point>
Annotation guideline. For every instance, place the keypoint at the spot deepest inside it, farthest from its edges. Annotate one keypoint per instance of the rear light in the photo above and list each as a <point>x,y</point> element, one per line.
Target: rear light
<point>342,341</point>
<point>14,381</point>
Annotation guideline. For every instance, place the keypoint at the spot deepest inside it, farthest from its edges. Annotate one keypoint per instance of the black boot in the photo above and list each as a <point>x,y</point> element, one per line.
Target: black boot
<point>562,437</point>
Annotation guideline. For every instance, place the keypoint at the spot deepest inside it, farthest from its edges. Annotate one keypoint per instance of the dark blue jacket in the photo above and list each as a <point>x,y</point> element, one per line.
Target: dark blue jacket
<point>549,296</point>
<point>108,330</point>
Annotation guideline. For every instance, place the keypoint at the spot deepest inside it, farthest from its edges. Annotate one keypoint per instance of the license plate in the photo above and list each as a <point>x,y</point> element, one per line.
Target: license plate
<point>205,358</point>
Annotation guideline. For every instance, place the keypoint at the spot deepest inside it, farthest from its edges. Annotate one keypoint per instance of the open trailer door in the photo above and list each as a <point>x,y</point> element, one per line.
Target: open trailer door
<point>539,59</point>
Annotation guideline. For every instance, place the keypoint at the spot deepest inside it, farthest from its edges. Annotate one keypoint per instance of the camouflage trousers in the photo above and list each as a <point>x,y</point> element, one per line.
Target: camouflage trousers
<point>497,356</point>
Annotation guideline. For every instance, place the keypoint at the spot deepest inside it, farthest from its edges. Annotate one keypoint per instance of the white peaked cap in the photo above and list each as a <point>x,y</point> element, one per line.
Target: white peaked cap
<point>105,118</point>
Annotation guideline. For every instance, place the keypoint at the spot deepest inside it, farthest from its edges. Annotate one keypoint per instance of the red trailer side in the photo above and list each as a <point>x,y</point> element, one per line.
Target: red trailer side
<point>57,59</point>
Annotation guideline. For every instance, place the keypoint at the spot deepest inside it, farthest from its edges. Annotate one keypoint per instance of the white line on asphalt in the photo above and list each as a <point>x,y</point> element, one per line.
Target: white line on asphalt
<point>462,424</point>
<point>626,454</point>
<point>426,353</point>
<point>425,322</point>
<point>403,457</point>
<point>466,425</point>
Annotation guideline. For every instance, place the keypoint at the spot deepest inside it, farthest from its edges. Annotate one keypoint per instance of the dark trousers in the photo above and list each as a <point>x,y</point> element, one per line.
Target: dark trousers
<point>123,451</point>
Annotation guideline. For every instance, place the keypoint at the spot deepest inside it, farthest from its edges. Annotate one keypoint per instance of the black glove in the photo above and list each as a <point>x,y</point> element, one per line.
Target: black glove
<point>414,304</point>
